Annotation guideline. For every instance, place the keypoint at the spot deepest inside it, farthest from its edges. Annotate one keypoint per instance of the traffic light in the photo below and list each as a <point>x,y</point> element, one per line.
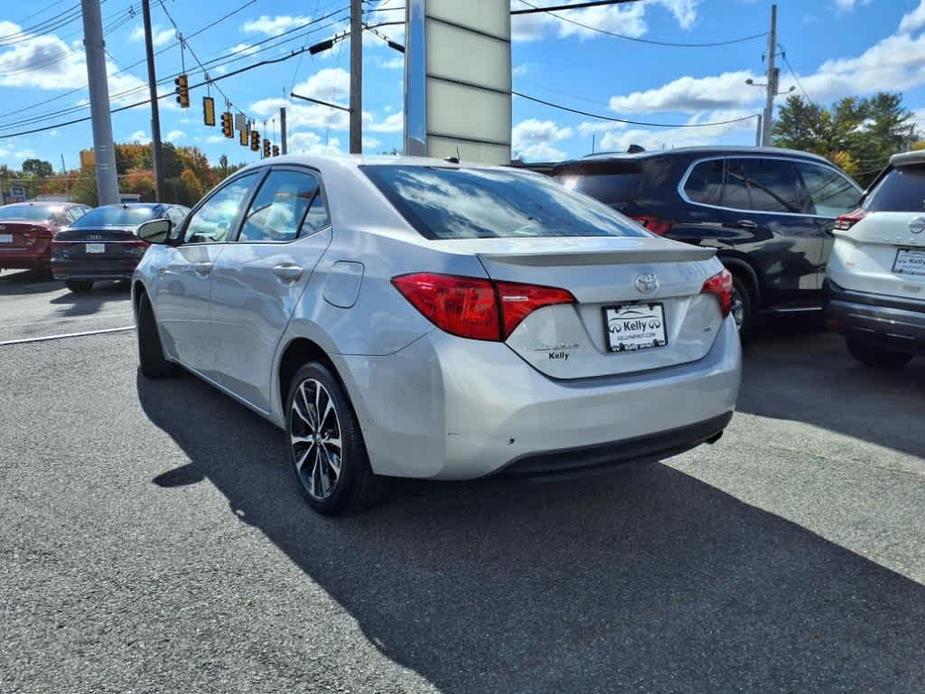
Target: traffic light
<point>227,124</point>
<point>275,150</point>
<point>208,111</point>
<point>255,141</point>
<point>182,90</point>
<point>243,136</point>
<point>266,149</point>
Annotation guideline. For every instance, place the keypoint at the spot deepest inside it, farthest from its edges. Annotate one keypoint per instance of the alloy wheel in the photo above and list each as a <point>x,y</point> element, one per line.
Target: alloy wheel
<point>738,308</point>
<point>315,435</point>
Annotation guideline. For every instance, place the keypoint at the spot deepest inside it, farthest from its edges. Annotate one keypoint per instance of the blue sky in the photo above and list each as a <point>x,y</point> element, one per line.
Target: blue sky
<point>836,48</point>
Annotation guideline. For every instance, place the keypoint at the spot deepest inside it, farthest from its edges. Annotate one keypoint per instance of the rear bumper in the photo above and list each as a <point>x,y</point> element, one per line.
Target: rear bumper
<point>96,269</point>
<point>448,408</point>
<point>26,259</point>
<point>898,323</point>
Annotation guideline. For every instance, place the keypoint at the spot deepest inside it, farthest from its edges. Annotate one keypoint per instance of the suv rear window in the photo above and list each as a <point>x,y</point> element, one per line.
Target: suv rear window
<point>615,185</point>
<point>901,190</point>
<point>460,203</point>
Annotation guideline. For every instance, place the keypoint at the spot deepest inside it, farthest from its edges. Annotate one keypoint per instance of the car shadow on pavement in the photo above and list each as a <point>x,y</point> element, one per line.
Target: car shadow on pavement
<point>87,304</point>
<point>801,374</point>
<point>20,282</point>
<point>646,579</point>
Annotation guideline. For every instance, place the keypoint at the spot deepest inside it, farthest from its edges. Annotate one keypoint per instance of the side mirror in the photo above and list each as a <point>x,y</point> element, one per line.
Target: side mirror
<point>155,230</point>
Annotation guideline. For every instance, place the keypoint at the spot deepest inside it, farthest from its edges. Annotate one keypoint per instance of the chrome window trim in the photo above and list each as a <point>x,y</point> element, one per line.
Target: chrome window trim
<point>725,157</point>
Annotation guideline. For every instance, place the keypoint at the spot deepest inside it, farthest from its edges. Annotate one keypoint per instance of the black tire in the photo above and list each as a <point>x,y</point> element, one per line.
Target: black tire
<point>151,358</point>
<point>872,354</point>
<point>355,487</point>
<point>79,286</point>
<point>741,304</point>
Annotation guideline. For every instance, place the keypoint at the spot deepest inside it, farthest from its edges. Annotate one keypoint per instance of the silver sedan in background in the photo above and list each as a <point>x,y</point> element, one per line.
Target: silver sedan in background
<point>423,318</point>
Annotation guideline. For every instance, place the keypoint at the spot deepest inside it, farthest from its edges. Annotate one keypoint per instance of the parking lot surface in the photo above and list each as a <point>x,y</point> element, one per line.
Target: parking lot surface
<point>152,540</point>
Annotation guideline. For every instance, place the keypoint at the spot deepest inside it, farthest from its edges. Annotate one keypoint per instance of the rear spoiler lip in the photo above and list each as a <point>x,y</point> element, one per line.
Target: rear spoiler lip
<point>615,257</point>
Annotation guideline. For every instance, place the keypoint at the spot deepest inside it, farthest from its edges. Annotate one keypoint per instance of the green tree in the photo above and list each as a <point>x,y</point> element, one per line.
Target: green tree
<point>859,135</point>
<point>37,168</point>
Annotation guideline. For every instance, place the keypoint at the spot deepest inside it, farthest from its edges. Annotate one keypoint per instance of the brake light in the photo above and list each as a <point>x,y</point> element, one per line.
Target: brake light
<point>660,227</point>
<point>720,286</point>
<point>476,308</point>
<point>846,221</point>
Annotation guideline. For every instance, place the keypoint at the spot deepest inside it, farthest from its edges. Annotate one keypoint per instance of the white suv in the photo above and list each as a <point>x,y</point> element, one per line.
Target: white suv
<point>876,273</point>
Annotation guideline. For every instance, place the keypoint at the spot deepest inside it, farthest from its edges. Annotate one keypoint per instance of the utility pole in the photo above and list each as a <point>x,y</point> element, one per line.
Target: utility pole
<point>356,76</point>
<point>107,185</point>
<point>156,155</point>
<point>759,131</point>
<point>773,74</point>
<point>284,147</point>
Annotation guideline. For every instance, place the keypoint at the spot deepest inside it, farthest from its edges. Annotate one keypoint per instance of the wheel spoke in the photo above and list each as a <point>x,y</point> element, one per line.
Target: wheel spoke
<point>328,409</point>
<point>300,463</point>
<point>296,439</point>
<point>308,407</point>
<point>333,463</point>
<point>299,414</point>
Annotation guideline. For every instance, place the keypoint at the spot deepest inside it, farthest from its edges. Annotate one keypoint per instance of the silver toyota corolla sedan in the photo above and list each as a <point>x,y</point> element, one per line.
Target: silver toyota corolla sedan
<point>423,318</point>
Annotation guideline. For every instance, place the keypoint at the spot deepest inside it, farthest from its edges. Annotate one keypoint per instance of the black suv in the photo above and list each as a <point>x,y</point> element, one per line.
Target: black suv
<point>768,212</point>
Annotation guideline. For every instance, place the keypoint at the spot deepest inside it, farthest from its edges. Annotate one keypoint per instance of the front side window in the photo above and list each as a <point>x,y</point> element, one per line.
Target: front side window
<point>462,203</point>
<point>176,215</point>
<point>768,185</point>
<point>282,209</point>
<point>830,192</point>
<point>901,190</point>
<point>214,221</point>
<point>705,182</point>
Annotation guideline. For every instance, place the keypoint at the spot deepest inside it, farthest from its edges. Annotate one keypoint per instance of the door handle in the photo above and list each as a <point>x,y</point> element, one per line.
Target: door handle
<point>203,268</point>
<point>746,224</point>
<point>288,273</point>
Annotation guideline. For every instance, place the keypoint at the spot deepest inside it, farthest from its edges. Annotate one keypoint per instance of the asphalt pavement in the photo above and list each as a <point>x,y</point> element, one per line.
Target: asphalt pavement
<point>152,540</point>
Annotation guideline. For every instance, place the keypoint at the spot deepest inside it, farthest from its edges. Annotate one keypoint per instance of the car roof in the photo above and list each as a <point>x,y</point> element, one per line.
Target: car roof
<point>908,158</point>
<point>702,150</point>
<point>355,161</point>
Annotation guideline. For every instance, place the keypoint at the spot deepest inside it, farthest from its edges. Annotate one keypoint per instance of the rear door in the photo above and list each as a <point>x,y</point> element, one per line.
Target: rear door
<point>183,293</point>
<point>260,276</point>
<point>766,205</point>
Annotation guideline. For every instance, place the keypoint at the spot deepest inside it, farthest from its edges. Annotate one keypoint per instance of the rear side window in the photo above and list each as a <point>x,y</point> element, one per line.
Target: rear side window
<point>615,185</point>
<point>830,192</point>
<point>705,182</point>
<point>901,190</point>
<point>764,185</point>
<point>451,203</point>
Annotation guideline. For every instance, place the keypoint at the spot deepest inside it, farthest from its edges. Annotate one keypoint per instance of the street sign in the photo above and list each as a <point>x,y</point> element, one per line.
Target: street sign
<point>240,121</point>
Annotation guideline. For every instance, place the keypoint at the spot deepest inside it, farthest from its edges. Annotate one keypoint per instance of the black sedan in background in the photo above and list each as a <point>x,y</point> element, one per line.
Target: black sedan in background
<point>102,245</point>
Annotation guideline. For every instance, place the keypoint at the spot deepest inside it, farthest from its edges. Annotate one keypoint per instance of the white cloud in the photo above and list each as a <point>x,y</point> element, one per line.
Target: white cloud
<point>396,63</point>
<point>393,123</point>
<point>312,143</point>
<point>160,37</point>
<point>519,70</point>
<point>215,139</point>
<point>175,135</point>
<point>691,94</point>
<point>243,49</point>
<point>370,143</point>
<point>329,84</point>
<point>140,137</point>
<point>533,139</point>
<point>273,26</point>
<point>914,20</point>
<point>619,140</point>
<point>302,115</point>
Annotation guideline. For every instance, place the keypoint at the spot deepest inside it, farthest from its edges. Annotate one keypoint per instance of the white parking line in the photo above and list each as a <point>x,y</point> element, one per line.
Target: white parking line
<point>61,336</point>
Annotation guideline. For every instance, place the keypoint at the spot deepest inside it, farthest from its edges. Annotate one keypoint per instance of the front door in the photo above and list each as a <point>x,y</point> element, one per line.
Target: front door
<point>260,277</point>
<point>182,302</point>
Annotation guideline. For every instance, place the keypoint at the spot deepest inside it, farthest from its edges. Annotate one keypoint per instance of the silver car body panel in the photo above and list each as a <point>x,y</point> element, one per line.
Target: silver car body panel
<point>431,404</point>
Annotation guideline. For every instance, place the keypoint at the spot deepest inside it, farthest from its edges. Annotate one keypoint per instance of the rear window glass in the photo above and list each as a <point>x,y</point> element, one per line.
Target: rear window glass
<point>613,187</point>
<point>450,203</point>
<point>117,216</point>
<point>901,190</point>
<point>31,213</point>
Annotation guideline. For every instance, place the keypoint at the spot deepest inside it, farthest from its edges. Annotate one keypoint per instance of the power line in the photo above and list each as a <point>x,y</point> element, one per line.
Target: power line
<point>590,3</point>
<point>629,122</point>
<point>49,25</point>
<point>793,73</point>
<point>636,39</point>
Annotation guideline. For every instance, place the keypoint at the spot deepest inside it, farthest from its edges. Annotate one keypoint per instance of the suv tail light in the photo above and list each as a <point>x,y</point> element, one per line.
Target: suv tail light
<point>720,286</point>
<point>846,221</point>
<point>480,309</point>
<point>659,227</point>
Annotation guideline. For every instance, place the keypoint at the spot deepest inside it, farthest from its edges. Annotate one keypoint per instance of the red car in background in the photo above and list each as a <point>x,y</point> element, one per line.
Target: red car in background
<point>26,229</point>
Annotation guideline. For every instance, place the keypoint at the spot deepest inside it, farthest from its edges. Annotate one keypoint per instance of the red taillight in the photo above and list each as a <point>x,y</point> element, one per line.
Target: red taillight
<point>846,221</point>
<point>659,227</point>
<point>476,308</point>
<point>720,286</point>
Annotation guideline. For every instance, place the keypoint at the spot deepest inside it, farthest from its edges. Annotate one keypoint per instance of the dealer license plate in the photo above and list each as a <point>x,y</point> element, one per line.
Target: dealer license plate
<point>910,261</point>
<point>635,326</point>
<point>95,247</point>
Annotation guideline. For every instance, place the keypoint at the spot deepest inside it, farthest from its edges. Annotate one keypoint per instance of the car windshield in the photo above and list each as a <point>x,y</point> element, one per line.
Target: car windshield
<point>901,190</point>
<point>31,213</point>
<point>117,217</point>
<point>459,203</point>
